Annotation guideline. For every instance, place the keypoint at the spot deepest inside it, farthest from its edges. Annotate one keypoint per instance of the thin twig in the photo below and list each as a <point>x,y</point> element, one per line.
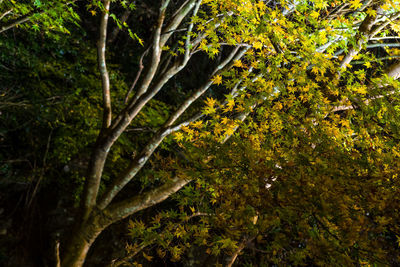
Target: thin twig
<point>5,13</point>
<point>43,169</point>
<point>137,75</point>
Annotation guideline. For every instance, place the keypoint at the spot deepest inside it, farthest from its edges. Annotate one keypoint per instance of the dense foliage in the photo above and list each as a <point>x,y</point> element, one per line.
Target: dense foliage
<point>272,126</point>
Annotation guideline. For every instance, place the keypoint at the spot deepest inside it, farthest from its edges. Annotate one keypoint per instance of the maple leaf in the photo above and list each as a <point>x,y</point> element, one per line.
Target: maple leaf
<point>257,45</point>
<point>217,79</point>
<point>314,14</point>
<point>355,4</point>
<point>224,120</point>
<point>147,257</point>
<point>371,12</point>
<point>321,4</point>
<point>361,89</point>
<point>178,136</point>
<point>197,124</point>
<point>367,64</point>
<point>210,101</point>
<point>238,64</point>
<point>229,105</point>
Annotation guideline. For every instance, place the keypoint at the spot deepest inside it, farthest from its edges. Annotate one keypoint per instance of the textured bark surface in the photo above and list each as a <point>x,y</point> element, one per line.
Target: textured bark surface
<point>87,231</point>
<point>82,238</point>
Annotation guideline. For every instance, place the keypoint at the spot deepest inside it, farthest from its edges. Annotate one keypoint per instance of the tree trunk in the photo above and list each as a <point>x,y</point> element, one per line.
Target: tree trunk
<point>88,230</point>
<point>82,238</point>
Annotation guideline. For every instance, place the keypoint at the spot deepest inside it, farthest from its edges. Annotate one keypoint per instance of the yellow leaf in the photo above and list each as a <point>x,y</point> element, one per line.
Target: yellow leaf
<point>396,27</point>
<point>362,89</point>
<point>229,105</point>
<point>197,124</point>
<point>239,108</point>
<point>217,79</point>
<point>321,4</point>
<point>238,63</point>
<point>355,4</point>
<point>371,12</point>
<point>278,106</point>
<point>367,64</point>
<point>314,14</point>
<point>257,45</point>
<point>210,101</point>
<point>178,136</point>
<point>147,257</point>
<point>93,12</point>
<point>385,7</point>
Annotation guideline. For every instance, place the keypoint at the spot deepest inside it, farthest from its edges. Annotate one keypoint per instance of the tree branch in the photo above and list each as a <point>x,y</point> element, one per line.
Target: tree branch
<point>176,20</point>
<point>156,140</point>
<point>15,23</point>
<point>392,72</point>
<point>123,209</point>
<point>5,13</point>
<point>137,75</point>
<point>100,151</point>
<point>156,54</point>
<point>363,35</point>
<point>117,29</point>
<point>242,245</point>
<point>381,27</point>
<point>101,55</point>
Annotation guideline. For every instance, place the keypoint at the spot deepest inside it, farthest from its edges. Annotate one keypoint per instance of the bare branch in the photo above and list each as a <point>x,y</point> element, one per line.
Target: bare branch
<point>377,59</point>
<point>179,15</point>
<point>241,246</point>
<point>394,71</point>
<point>148,150</point>
<point>363,35</point>
<point>382,45</point>
<point>5,13</point>
<point>123,209</point>
<point>100,151</point>
<point>15,23</point>
<point>381,27</point>
<point>190,29</point>
<point>205,87</point>
<point>101,55</point>
<point>117,29</point>
<point>137,75</point>
<point>42,171</point>
<point>156,54</point>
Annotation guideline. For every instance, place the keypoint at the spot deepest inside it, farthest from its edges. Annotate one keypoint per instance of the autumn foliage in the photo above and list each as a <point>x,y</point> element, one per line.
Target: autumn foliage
<point>254,132</point>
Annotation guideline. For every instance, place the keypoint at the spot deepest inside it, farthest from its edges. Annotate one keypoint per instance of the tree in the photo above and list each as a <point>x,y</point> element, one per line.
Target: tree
<point>298,182</point>
<point>98,213</point>
<point>274,60</point>
<point>258,52</point>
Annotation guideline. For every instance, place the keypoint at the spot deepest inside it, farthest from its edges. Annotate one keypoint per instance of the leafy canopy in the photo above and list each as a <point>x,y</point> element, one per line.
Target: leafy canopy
<point>298,163</point>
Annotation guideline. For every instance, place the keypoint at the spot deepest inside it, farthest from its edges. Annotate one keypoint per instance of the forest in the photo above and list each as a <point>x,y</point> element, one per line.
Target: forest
<point>199,133</point>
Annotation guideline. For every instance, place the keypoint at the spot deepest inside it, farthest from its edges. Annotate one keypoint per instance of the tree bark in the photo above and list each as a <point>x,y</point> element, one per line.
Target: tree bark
<point>88,230</point>
<point>82,238</point>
